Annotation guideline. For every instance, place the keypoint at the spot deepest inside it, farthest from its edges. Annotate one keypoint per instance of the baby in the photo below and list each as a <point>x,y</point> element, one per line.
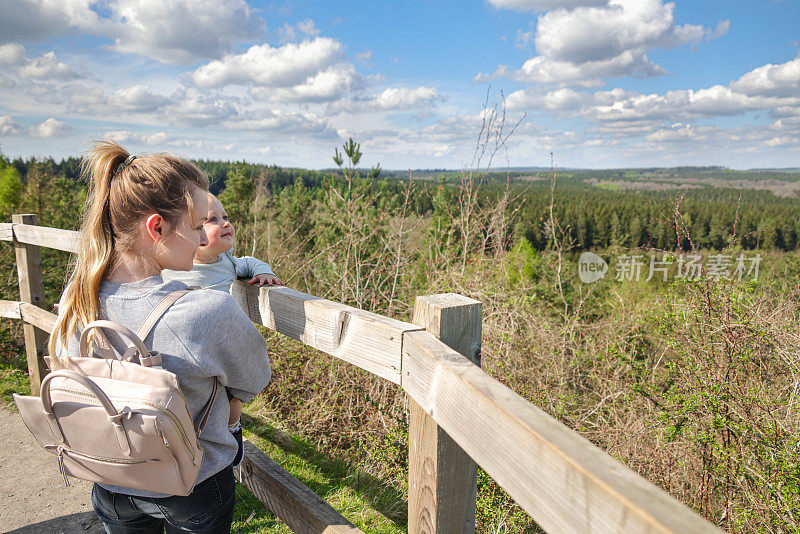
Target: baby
<point>216,268</point>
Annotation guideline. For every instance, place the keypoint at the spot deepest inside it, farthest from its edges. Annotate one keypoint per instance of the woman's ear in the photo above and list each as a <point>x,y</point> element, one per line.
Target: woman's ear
<point>154,226</point>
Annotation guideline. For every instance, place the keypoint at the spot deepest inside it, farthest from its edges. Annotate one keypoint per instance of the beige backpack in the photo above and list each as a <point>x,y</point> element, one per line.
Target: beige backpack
<point>119,420</point>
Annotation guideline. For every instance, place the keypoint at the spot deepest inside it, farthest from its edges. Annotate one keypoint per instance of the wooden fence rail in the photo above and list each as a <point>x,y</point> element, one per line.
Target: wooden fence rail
<point>460,416</point>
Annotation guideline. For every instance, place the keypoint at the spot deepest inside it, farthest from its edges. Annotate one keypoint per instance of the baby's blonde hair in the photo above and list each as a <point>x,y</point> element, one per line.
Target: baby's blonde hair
<point>117,202</point>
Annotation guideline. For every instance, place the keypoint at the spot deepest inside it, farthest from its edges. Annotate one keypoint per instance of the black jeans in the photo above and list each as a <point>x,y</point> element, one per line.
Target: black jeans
<point>207,510</point>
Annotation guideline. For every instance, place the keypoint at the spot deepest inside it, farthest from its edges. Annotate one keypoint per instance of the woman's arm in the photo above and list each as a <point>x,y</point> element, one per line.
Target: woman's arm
<point>227,345</point>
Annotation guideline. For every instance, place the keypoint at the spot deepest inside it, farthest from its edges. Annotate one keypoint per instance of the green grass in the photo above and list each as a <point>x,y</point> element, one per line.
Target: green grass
<point>13,379</point>
<point>251,515</point>
<point>371,504</point>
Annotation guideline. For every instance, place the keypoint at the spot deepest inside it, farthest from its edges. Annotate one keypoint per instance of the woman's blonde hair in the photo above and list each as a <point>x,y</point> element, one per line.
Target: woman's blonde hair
<point>120,196</point>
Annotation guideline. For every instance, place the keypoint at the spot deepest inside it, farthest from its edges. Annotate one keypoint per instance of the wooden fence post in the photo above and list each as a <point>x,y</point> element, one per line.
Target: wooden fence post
<point>442,478</point>
<point>31,290</point>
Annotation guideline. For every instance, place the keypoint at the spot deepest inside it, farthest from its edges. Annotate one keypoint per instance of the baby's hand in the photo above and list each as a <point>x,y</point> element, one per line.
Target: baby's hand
<point>269,279</point>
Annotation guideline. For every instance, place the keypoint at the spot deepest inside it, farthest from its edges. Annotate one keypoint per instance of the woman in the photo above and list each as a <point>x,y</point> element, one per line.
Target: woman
<point>145,214</point>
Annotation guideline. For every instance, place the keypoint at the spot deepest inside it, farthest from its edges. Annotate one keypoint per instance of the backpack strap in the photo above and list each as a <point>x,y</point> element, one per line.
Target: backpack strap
<point>153,358</point>
<point>158,311</point>
<point>201,422</point>
<point>104,349</point>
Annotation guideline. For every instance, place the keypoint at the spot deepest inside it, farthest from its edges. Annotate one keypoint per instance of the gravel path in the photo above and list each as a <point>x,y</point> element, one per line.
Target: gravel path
<point>33,498</point>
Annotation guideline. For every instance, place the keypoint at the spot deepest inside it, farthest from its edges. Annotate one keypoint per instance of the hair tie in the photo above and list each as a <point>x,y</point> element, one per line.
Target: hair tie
<point>124,164</point>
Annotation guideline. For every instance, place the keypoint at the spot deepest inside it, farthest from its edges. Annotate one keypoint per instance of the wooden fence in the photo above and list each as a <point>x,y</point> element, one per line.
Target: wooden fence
<point>460,417</point>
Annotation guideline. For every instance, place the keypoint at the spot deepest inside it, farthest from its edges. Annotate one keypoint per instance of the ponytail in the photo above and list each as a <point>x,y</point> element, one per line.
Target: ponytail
<point>121,192</point>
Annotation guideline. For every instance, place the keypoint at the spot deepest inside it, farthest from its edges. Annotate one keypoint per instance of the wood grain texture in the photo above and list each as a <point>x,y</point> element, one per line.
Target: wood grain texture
<point>44,236</point>
<point>563,481</point>
<point>453,319</point>
<point>442,477</point>
<point>31,291</point>
<point>368,340</point>
<point>42,319</point>
<point>9,309</point>
<point>6,234</point>
<point>296,505</point>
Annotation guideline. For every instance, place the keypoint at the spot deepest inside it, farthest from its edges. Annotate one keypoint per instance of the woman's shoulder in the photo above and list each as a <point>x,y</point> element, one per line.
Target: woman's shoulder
<point>207,321</point>
<point>206,308</point>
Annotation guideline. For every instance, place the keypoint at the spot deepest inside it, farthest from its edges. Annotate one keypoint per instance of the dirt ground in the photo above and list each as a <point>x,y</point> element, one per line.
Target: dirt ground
<point>33,498</point>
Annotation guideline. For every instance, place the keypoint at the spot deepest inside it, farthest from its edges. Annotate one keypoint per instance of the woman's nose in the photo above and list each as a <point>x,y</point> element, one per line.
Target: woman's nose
<point>203,238</point>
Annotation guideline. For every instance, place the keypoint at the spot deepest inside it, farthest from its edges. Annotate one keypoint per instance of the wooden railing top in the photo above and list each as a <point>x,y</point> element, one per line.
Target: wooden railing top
<point>5,232</point>
<point>368,340</point>
<point>42,236</point>
<point>562,480</point>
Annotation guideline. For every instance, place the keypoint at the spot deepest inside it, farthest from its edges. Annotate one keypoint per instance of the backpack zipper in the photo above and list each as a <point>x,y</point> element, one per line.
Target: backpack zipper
<point>60,450</point>
<point>166,412</point>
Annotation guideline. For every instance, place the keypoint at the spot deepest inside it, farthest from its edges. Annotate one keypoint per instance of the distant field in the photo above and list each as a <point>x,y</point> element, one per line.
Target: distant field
<point>787,187</point>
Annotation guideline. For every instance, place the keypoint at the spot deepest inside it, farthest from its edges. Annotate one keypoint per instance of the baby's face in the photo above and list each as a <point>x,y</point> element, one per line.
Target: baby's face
<point>219,230</point>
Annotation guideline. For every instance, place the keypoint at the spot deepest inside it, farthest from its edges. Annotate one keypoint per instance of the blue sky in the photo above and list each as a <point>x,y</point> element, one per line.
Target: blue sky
<point>600,83</point>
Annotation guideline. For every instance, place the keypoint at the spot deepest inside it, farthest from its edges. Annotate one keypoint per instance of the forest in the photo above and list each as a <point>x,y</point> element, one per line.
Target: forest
<point>691,382</point>
<point>600,208</point>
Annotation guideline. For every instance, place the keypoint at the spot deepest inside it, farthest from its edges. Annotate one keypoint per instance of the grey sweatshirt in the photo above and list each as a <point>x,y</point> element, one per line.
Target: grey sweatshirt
<point>220,274</point>
<point>205,334</point>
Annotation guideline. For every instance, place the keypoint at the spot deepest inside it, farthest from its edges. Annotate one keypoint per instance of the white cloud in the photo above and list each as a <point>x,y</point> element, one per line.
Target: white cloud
<point>158,140</point>
<point>288,32</point>
<point>463,127</point>
<point>50,128</point>
<point>453,128</point>
<point>564,99</point>
<point>45,67</point>
<point>542,5</point>
<point>126,136</point>
<point>40,19</point>
<point>9,126</point>
<point>405,98</point>
<point>602,33</point>
<point>174,32</point>
<point>790,124</point>
<point>135,99</point>
<point>307,27</point>
<point>774,88</point>
<point>684,104</point>
<point>525,38</point>
<point>622,105</point>
<point>182,31</point>
<point>681,133</point>
<point>619,130</point>
<point>284,122</point>
<point>391,99</point>
<point>283,66</point>
<point>542,69</point>
<point>13,54</point>
<point>327,85</point>
<point>782,141</point>
<point>138,98</point>
<point>584,45</point>
<point>314,70</point>
<point>192,110</point>
<point>780,80</point>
